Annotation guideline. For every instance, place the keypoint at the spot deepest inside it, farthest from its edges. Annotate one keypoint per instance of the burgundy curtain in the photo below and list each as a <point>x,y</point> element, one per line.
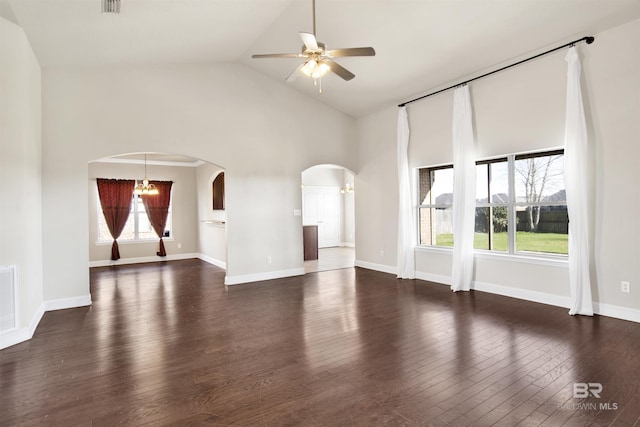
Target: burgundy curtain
<point>115,199</point>
<point>157,208</point>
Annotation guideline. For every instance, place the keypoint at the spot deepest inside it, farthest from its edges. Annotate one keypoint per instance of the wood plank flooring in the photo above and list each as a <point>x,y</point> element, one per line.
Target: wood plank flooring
<point>169,344</point>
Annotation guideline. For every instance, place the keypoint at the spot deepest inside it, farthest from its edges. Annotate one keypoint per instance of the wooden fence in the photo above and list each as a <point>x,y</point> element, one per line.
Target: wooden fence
<point>550,222</point>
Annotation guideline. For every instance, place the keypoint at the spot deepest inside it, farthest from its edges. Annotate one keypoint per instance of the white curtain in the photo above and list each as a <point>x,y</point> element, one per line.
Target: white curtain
<point>576,186</point>
<point>406,228</point>
<point>464,191</point>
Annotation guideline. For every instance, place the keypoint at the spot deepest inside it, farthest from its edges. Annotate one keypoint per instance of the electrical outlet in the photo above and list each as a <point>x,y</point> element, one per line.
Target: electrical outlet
<point>624,287</point>
<point>268,260</point>
<point>179,245</point>
<point>381,254</point>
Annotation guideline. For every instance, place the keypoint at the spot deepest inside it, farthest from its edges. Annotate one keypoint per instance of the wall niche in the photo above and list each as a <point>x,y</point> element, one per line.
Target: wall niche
<point>218,192</point>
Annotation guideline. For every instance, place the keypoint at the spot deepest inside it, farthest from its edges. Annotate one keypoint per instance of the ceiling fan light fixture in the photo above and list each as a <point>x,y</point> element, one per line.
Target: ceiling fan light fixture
<point>315,69</point>
<point>318,60</point>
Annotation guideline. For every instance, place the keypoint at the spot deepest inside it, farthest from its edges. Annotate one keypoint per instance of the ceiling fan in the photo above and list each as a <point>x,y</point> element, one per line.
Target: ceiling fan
<point>318,61</point>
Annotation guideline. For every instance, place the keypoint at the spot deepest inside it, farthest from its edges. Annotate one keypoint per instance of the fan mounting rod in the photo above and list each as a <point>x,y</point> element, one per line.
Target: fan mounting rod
<point>313,5</point>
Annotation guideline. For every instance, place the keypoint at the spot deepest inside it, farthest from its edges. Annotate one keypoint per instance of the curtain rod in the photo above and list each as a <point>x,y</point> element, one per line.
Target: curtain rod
<point>587,39</point>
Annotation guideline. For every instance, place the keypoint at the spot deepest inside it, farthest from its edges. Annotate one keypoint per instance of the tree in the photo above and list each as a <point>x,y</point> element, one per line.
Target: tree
<point>498,217</point>
<point>536,173</point>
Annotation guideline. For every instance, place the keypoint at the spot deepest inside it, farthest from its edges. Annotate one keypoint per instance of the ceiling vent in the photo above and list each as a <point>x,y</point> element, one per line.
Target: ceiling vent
<point>110,6</point>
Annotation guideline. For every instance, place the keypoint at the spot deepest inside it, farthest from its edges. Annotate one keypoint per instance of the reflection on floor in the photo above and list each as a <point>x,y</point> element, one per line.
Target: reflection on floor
<point>331,259</point>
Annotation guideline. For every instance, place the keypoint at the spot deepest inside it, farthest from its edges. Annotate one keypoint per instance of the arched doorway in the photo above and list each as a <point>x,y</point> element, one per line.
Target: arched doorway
<point>328,217</point>
<point>194,229</point>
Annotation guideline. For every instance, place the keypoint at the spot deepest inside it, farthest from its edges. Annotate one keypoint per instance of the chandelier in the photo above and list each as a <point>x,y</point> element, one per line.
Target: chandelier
<point>347,189</point>
<point>145,187</point>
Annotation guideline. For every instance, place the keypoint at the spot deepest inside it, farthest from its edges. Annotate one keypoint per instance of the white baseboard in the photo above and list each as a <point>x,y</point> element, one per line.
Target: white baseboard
<point>609,310</point>
<point>524,294</point>
<point>140,260</point>
<point>624,313</point>
<point>211,260</point>
<point>347,245</point>
<point>377,267</point>
<point>64,303</point>
<point>506,291</point>
<point>15,336</point>
<point>435,278</point>
<point>268,275</point>
<point>22,334</point>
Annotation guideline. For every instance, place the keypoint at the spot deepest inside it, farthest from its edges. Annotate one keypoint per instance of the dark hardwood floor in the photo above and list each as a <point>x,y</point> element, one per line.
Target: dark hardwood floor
<point>169,344</point>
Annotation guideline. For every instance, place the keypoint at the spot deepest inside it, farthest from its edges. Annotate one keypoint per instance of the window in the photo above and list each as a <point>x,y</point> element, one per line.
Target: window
<point>520,205</point>
<point>435,211</point>
<point>138,227</point>
<point>492,205</point>
<point>541,203</point>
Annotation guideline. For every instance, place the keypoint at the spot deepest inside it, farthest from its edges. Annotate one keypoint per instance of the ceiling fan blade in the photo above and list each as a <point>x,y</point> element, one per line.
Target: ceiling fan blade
<point>279,55</point>
<point>352,51</point>
<point>309,40</point>
<point>340,70</point>
<point>291,77</point>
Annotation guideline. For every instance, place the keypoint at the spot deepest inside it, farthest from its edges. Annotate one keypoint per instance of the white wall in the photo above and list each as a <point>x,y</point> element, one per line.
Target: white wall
<point>349,211</point>
<point>522,109</point>
<point>20,176</point>
<point>612,68</point>
<point>323,176</point>
<point>212,238</point>
<point>184,213</point>
<point>224,114</point>
<point>377,188</point>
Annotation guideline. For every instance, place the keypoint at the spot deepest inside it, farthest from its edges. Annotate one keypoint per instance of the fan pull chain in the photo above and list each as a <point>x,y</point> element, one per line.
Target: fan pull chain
<point>317,81</point>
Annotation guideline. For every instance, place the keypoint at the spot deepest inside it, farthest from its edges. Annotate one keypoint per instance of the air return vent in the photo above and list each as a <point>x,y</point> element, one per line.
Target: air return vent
<point>110,6</point>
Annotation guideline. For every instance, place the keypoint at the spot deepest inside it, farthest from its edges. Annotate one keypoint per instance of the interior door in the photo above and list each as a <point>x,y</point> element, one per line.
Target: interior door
<point>321,207</point>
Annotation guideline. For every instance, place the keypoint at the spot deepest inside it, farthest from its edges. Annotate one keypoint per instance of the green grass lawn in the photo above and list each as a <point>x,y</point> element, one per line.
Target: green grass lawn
<point>525,242</point>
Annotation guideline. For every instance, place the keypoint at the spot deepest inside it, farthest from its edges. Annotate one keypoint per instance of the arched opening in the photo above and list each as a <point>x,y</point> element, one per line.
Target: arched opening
<point>193,228</point>
<point>328,218</point>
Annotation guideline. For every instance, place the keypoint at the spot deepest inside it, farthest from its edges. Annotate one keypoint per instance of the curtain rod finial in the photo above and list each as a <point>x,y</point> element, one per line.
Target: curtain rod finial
<point>590,39</point>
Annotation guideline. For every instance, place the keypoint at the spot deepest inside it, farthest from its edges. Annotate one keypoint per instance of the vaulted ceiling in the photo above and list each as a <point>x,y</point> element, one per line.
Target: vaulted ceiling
<point>420,44</point>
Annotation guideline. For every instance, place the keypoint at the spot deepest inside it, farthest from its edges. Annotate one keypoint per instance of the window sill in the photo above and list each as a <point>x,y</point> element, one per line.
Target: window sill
<point>130,242</point>
<point>537,259</point>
